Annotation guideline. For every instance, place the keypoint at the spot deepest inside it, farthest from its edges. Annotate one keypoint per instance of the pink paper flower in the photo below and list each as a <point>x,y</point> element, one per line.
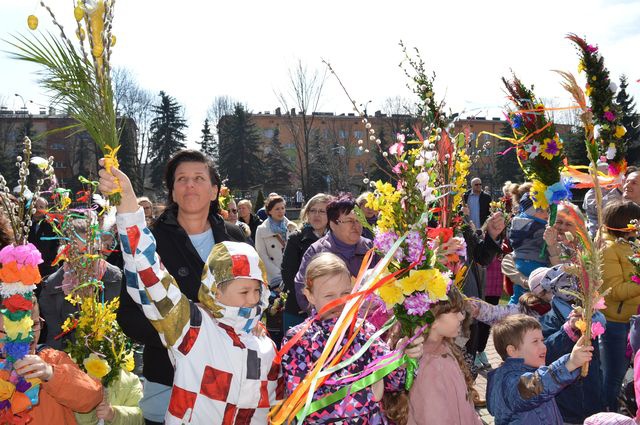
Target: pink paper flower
<point>399,167</point>
<point>634,278</point>
<point>600,305</point>
<point>396,149</point>
<point>596,329</point>
<point>609,116</point>
<point>27,255</point>
<point>6,254</point>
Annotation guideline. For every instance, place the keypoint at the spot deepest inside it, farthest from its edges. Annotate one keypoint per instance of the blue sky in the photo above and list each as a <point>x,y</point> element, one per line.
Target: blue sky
<point>199,49</point>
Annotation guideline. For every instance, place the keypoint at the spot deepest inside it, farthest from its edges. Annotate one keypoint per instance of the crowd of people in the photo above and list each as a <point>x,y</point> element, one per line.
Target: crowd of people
<point>196,284</point>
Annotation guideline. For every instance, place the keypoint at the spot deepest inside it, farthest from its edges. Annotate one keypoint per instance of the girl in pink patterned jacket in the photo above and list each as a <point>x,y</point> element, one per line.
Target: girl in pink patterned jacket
<point>327,279</point>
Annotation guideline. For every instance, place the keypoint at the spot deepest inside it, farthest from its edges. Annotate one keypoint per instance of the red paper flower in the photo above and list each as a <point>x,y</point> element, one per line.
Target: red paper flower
<point>17,303</point>
<point>445,233</point>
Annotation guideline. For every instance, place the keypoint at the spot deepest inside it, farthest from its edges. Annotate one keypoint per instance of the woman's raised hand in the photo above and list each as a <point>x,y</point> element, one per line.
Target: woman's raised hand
<point>108,183</point>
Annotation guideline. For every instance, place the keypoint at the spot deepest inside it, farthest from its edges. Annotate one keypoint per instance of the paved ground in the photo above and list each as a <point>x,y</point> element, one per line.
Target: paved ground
<point>481,380</point>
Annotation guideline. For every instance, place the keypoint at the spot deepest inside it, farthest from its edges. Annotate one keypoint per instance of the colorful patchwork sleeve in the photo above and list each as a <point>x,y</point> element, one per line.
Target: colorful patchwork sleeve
<point>148,282</point>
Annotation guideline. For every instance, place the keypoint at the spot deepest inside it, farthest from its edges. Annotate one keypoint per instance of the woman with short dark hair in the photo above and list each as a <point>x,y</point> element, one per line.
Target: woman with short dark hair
<point>344,239</point>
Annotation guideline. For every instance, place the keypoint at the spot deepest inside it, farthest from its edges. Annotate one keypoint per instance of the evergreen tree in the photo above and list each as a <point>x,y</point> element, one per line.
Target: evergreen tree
<point>207,143</point>
<point>239,139</point>
<point>259,201</point>
<point>574,146</point>
<point>630,120</point>
<point>318,173</point>
<point>507,166</point>
<point>166,135</point>
<point>277,165</point>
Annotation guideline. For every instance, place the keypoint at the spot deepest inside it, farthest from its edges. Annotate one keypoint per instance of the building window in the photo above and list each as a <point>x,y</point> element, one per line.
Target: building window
<point>268,133</point>
<point>342,134</point>
<point>358,134</point>
<point>58,164</point>
<point>57,146</point>
<point>359,167</point>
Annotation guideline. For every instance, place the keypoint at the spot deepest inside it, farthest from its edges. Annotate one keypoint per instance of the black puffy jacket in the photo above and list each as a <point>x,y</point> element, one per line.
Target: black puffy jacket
<point>182,261</point>
<point>297,245</point>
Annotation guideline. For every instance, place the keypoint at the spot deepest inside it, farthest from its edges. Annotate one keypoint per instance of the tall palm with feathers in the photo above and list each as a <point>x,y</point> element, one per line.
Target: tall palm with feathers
<point>606,115</point>
<point>78,74</point>
<point>587,260</point>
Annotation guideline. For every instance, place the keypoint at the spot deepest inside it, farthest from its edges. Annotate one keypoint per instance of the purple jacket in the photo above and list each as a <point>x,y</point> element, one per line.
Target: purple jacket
<point>352,255</point>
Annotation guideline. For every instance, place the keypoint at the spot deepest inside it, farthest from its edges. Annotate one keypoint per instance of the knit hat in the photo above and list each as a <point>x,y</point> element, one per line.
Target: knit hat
<point>609,418</point>
<point>228,261</point>
<point>526,203</point>
<point>553,279</point>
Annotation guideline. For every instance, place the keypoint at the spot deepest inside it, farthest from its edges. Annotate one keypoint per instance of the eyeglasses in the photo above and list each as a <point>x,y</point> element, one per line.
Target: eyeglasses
<point>234,211</point>
<point>477,184</point>
<point>314,211</point>
<point>349,222</point>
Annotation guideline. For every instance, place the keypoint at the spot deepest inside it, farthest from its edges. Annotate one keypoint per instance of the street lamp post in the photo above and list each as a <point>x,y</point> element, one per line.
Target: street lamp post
<point>24,104</point>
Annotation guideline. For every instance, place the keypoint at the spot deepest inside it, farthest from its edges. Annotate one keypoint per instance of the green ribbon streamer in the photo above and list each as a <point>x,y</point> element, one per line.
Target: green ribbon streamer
<point>412,365</point>
<point>353,388</point>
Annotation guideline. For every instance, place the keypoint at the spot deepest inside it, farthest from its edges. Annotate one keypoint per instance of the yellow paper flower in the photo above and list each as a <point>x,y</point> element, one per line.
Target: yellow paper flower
<point>67,325</point>
<point>96,367</point>
<point>18,329</point>
<point>581,325</point>
<point>437,285</point>
<point>416,281</point>
<point>111,160</point>
<point>6,390</point>
<point>580,66</point>
<point>32,22</point>
<point>620,131</point>
<point>383,200</point>
<point>459,277</point>
<point>463,163</point>
<point>78,13</point>
<point>538,196</point>
<point>391,294</point>
<point>95,10</point>
<point>587,90</point>
<point>129,362</point>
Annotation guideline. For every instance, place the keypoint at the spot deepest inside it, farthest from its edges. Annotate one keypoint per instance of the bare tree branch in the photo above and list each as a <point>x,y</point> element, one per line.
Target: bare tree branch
<point>300,103</point>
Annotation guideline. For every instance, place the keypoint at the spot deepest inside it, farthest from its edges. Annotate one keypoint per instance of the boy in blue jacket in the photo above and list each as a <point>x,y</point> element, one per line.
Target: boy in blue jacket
<point>522,390</point>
